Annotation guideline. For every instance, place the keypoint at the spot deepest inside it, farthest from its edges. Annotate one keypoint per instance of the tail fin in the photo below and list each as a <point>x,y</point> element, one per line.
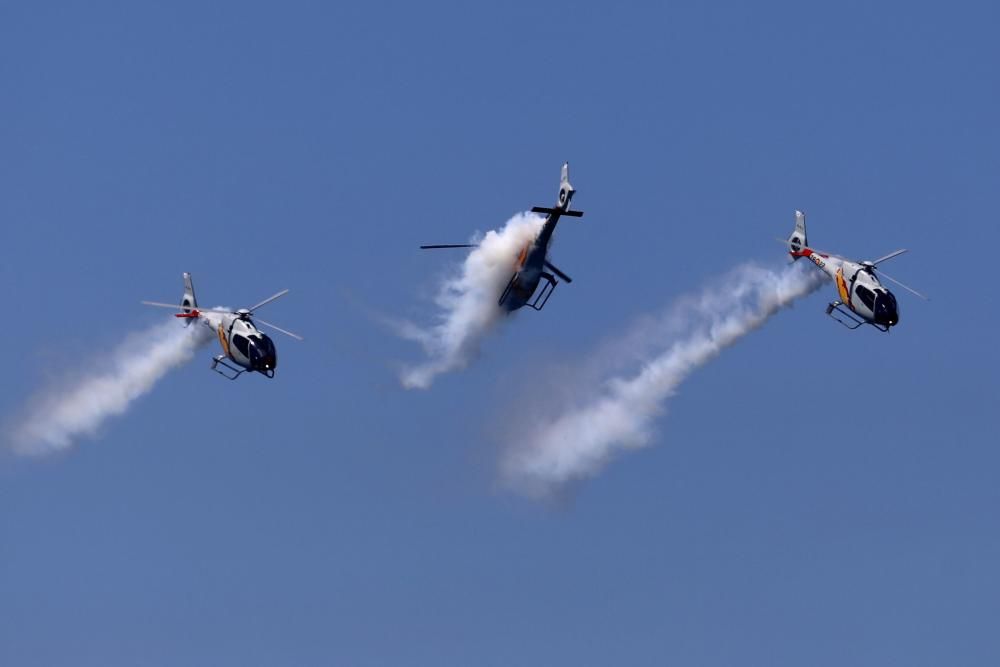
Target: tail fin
<point>188,301</point>
<point>797,241</point>
<point>566,190</point>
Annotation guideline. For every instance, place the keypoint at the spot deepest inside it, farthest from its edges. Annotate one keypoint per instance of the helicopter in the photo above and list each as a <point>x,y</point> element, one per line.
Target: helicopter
<point>529,269</point>
<point>863,299</point>
<point>244,346</point>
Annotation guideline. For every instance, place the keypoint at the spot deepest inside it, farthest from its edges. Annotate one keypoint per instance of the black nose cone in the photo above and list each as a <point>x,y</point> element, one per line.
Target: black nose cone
<point>886,310</point>
<point>263,356</point>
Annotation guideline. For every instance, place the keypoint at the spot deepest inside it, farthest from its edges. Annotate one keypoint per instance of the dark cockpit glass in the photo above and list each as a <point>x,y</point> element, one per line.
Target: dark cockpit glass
<point>886,311</point>
<point>241,344</point>
<point>263,356</point>
<point>866,295</point>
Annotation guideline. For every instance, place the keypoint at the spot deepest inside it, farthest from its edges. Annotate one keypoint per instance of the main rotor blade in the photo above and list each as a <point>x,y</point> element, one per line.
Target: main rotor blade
<point>884,258</point>
<point>268,300</point>
<point>277,328</point>
<point>449,245</point>
<point>883,274</point>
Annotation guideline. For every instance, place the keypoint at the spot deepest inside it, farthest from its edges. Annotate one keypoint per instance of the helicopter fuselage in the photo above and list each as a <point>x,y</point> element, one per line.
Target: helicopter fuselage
<point>858,288</point>
<point>530,267</point>
<point>242,342</point>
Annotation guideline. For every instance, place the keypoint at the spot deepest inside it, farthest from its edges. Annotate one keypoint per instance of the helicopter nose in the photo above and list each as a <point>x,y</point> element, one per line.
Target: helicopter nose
<point>886,312</point>
<point>262,354</point>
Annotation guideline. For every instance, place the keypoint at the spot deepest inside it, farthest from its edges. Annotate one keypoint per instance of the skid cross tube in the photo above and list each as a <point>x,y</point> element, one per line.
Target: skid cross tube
<point>849,319</point>
<point>543,294</point>
<point>221,361</point>
<point>539,298</point>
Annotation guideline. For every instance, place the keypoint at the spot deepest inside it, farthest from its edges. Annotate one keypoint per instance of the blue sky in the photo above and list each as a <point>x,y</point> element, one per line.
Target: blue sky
<point>814,496</point>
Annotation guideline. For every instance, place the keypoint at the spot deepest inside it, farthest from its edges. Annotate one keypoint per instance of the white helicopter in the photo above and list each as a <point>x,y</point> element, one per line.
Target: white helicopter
<point>863,299</point>
<point>242,342</point>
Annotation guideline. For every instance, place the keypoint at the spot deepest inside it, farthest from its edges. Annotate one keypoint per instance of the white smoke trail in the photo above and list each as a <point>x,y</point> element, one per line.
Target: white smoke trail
<point>468,303</point>
<point>56,418</point>
<point>618,415</point>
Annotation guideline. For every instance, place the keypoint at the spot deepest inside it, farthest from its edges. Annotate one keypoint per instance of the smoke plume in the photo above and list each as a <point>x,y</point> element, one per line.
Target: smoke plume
<point>618,413</point>
<point>56,418</point>
<point>467,303</point>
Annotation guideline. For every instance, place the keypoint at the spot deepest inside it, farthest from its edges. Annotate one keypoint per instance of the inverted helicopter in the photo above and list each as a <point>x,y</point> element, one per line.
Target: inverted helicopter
<point>244,346</point>
<point>863,299</point>
<point>531,262</point>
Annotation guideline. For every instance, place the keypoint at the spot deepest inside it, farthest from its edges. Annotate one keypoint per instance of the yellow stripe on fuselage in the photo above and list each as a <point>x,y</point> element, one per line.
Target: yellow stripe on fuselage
<point>223,340</point>
<point>845,295</point>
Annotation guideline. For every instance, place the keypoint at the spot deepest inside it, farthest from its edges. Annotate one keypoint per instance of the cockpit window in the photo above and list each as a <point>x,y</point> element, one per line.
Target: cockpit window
<point>263,343</point>
<point>886,311</point>
<point>866,295</point>
<point>242,345</point>
<point>262,354</point>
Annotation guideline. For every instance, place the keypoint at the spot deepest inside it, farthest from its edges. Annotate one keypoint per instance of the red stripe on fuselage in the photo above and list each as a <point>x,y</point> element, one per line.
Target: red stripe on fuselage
<point>805,252</point>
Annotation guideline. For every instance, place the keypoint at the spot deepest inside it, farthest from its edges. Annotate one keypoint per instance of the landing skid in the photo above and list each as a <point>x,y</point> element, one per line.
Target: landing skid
<point>541,296</point>
<point>849,319</point>
<point>231,372</point>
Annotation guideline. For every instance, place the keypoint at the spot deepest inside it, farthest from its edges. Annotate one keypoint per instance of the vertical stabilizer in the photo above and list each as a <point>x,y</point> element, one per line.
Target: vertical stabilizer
<point>188,301</point>
<point>798,240</point>
<point>566,190</point>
